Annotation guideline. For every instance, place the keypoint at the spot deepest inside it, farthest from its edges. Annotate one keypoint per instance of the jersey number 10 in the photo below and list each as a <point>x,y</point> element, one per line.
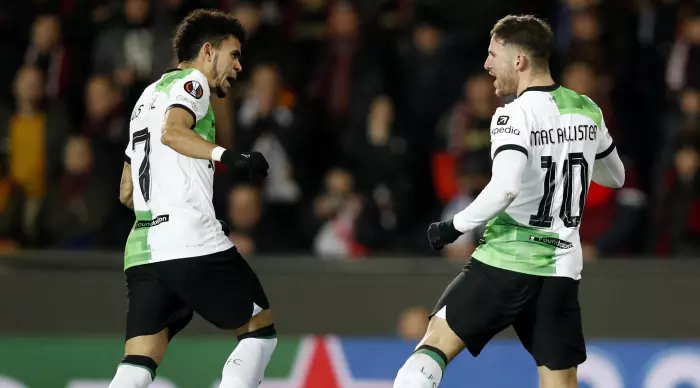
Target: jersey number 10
<point>143,136</point>
<point>544,218</point>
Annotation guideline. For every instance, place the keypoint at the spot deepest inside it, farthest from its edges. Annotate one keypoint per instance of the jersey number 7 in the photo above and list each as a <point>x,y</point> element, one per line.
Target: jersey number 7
<point>143,136</point>
<point>544,218</point>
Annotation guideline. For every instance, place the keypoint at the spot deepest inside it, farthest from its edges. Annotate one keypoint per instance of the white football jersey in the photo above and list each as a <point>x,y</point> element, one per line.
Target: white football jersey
<point>562,133</point>
<point>172,193</point>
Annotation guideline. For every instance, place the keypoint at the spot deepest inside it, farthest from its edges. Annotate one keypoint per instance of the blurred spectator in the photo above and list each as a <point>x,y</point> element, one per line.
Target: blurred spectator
<point>679,229</point>
<point>266,106</point>
<point>382,164</point>
<point>613,218</point>
<point>11,205</point>
<point>681,125</point>
<point>426,70</point>
<point>463,129</point>
<point>133,51</point>
<point>47,52</point>
<point>413,323</point>
<point>473,174</point>
<point>252,229</point>
<point>305,27</point>
<point>332,220</point>
<point>105,122</point>
<point>34,136</point>
<point>262,40</point>
<point>266,123</point>
<point>78,205</point>
<point>684,60</point>
<point>347,76</point>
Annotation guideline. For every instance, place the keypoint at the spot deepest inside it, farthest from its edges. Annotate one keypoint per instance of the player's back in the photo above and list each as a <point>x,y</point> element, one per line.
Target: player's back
<point>562,133</point>
<point>172,193</point>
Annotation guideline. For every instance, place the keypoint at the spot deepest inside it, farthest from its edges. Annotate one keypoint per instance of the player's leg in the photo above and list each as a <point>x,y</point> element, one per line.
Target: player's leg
<point>551,330</point>
<point>477,305</point>
<point>225,291</point>
<point>424,368</point>
<point>154,316</point>
<point>257,340</point>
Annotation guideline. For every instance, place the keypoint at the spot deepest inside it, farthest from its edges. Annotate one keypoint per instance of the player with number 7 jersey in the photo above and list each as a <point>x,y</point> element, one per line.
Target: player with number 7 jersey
<point>178,258</point>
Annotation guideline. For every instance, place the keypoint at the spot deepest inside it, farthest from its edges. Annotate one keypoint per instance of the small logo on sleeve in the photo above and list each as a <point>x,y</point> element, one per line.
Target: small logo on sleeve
<point>194,89</point>
<point>502,120</point>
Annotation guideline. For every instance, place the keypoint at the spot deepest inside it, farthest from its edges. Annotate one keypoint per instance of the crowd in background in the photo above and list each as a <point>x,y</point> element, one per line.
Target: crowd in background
<point>373,114</point>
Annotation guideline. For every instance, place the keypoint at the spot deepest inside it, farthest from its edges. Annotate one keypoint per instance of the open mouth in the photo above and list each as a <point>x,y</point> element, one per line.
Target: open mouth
<point>230,80</point>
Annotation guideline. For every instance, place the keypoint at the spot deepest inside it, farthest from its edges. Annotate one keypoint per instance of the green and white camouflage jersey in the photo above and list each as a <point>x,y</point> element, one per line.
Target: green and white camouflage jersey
<point>562,133</point>
<point>172,193</point>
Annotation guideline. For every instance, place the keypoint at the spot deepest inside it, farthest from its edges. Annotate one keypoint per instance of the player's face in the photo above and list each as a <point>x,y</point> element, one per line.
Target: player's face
<point>501,64</point>
<point>226,66</point>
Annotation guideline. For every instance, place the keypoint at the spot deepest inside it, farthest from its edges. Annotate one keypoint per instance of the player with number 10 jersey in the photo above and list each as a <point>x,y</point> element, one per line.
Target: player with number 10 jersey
<point>546,146</point>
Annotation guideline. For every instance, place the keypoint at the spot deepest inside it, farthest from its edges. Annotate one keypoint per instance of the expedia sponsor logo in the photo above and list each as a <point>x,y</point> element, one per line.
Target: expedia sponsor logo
<point>561,244</point>
<point>508,130</point>
<point>154,222</point>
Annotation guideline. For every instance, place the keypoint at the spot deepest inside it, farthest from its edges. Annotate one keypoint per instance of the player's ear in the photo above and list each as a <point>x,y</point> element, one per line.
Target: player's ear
<point>208,51</point>
<point>520,60</point>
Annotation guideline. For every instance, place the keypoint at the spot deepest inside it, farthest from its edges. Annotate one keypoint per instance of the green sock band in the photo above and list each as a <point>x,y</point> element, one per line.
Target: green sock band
<point>434,355</point>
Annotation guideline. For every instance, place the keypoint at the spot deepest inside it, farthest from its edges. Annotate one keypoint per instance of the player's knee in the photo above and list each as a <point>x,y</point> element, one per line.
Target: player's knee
<point>267,332</point>
<point>441,336</point>
<point>152,346</point>
<point>259,321</point>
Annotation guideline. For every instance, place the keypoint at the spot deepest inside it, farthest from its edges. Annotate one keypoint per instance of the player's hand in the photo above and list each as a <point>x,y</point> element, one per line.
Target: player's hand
<point>442,233</point>
<point>252,162</point>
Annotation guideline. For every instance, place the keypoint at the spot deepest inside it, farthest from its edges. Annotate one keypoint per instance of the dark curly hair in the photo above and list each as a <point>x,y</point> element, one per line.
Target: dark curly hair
<point>202,26</point>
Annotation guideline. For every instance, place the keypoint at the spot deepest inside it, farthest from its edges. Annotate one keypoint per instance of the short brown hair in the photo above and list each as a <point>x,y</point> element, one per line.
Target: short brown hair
<point>530,33</point>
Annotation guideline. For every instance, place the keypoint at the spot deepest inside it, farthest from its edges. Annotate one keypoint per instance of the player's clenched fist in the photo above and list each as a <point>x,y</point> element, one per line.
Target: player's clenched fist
<point>442,233</point>
<point>252,162</point>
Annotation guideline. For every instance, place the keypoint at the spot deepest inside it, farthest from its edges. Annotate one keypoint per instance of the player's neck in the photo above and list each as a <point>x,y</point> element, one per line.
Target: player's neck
<point>534,79</point>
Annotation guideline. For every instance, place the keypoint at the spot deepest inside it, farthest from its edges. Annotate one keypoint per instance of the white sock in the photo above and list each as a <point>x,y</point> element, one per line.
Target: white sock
<point>245,367</point>
<point>131,376</point>
<point>421,370</point>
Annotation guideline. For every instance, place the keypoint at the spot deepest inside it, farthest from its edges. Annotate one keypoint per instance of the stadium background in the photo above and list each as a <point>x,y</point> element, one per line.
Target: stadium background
<point>374,116</point>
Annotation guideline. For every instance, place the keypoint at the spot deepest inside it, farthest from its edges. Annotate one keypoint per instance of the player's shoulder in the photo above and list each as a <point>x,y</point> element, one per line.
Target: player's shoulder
<point>184,81</point>
<point>512,114</point>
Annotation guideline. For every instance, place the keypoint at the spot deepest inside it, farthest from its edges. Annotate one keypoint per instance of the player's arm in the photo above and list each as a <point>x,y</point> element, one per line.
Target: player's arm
<point>502,189</point>
<point>608,169</point>
<point>177,134</point>
<point>126,187</point>
<point>509,150</point>
<point>188,103</point>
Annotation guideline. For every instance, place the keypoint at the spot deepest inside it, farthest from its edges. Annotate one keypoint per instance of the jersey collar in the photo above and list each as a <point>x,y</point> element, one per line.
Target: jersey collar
<point>549,88</point>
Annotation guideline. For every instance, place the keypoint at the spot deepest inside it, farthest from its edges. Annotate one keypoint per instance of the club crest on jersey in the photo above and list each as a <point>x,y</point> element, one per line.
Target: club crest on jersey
<point>502,120</point>
<point>194,89</point>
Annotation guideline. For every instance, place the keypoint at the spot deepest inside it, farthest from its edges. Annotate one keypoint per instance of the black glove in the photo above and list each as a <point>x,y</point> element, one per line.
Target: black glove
<point>442,233</point>
<point>252,162</point>
<point>225,228</point>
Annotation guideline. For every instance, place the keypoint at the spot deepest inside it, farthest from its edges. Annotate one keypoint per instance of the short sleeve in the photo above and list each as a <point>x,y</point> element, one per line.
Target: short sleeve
<point>190,93</point>
<point>509,130</point>
<point>606,145</point>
